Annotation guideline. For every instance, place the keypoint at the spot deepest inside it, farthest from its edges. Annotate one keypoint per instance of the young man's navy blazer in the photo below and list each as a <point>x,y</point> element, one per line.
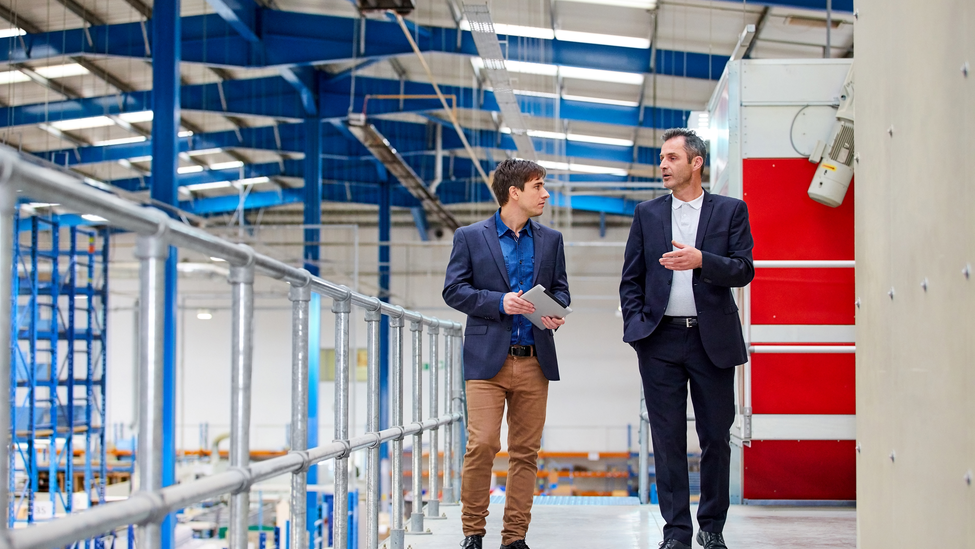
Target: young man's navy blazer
<point>477,280</point>
<point>725,241</point>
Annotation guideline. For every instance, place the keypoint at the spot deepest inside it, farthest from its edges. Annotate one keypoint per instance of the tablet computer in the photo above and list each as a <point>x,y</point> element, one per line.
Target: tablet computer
<point>546,304</point>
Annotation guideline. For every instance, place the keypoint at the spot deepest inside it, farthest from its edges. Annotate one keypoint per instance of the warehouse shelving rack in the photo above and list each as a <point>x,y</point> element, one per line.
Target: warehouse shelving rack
<point>58,355</point>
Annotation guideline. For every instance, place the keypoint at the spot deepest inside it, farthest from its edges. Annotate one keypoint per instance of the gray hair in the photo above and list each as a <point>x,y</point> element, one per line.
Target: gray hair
<point>693,144</point>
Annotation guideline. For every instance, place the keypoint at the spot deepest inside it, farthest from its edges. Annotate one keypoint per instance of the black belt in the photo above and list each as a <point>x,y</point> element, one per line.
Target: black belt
<point>685,321</point>
<point>521,350</point>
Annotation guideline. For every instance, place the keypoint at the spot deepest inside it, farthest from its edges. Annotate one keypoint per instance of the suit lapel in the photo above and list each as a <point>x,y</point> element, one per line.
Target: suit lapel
<point>539,248</point>
<point>494,244</point>
<point>666,214</point>
<point>702,224</point>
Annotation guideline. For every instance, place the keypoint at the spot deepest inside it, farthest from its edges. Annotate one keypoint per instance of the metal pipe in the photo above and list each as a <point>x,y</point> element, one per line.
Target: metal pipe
<point>433,498</point>
<point>242,282</point>
<point>644,459</point>
<point>8,233</point>
<point>152,252</point>
<point>804,349</point>
<point>457,407</point>
<point>448,433</point>
<point>805,264</point>
<point>396,532</point>
<point>828,52</point>
<point>145,506</point>
<point>300,297</point>
<point>372,424</point>
<point>340,528</point>
<point>416,516</point>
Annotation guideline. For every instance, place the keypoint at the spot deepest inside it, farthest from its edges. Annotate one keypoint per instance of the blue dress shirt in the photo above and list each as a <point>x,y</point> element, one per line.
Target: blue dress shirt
<point>519,258</point>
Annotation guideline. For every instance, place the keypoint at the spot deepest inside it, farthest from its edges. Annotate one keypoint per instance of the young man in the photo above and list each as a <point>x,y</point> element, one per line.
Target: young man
<point>506,358</point>
<point>685,252</point>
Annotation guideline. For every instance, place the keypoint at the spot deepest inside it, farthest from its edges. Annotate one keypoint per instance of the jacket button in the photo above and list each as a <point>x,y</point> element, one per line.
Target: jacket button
<point>508,329</point>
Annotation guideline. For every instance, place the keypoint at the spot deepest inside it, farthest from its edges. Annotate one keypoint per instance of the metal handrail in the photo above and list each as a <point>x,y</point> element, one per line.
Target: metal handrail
<point>157,232</point>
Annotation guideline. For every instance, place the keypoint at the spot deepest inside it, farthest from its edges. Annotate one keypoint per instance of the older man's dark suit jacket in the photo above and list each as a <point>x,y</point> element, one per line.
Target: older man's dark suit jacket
<point>475,283</point>
<point>725,241</point>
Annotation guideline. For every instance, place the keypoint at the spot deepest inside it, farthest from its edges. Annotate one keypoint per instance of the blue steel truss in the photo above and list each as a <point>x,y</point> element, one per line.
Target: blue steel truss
<point>59,362</point>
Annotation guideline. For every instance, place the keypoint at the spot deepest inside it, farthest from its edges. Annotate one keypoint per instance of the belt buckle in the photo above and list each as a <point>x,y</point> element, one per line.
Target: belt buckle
<point>687,322</point>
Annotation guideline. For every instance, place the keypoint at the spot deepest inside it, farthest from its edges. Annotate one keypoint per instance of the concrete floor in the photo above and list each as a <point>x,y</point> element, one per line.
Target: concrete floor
<point>640,527</point>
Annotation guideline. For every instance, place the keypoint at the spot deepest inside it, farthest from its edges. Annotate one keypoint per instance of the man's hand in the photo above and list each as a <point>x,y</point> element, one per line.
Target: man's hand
<point>515,305</point>
<point>684,259</point>
<point>552,322</point>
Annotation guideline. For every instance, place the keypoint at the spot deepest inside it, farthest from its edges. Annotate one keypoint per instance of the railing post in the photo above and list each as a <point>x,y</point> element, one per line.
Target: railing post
<point>8,203</point>
<point>396,532</point>
<point>416,517</point>
<point>300,297</point>
<point>457,407</point>
<point>152,252</point>
<point>372,426</point>
<point>242,294</point>
<point>433,499</point>
<point>340,531</point>
<point>644,460</point>
<point>448,432</point>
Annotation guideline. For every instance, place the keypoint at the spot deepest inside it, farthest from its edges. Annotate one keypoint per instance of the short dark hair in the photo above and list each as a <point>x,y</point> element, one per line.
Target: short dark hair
<point>514,172</point>
<point>693,144</point>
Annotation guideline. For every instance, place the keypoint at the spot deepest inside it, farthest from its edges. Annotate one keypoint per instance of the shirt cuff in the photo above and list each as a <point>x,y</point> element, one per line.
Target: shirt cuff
<point>501,305</point>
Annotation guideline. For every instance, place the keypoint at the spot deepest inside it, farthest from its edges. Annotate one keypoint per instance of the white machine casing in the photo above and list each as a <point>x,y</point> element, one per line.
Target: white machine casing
<point>835,169</point>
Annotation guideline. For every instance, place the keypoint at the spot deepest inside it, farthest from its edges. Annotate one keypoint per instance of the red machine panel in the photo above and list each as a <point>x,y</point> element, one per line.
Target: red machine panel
<point>803,384</point>
<point>785,222</point>
<point>808,469</point>
<point>802,296</point>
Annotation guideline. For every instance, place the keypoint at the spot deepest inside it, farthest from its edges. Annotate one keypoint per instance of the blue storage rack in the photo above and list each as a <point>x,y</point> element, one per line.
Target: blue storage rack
<point>59,358</point>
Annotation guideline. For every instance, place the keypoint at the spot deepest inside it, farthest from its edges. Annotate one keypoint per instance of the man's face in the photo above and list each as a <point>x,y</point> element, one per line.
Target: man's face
<point>675,167</point>
<point>532,199</point>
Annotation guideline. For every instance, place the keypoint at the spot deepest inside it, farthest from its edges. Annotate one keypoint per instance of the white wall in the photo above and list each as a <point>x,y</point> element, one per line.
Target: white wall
<point>914,222</point>
<point>589,409</point>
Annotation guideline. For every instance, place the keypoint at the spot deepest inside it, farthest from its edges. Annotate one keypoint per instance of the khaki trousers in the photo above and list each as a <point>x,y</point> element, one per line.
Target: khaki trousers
<point>522,385</point>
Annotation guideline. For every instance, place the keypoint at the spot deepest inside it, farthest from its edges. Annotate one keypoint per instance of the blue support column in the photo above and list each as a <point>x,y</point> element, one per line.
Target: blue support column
<point>313,216</point>
<point>166,54</point>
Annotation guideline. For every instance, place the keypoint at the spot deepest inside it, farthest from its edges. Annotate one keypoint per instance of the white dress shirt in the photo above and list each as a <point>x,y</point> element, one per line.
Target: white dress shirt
<point>683,221</point>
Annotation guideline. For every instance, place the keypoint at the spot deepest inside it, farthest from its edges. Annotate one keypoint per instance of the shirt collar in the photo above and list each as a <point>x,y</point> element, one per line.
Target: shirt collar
<point>502,228</point>
<point>696,203</point>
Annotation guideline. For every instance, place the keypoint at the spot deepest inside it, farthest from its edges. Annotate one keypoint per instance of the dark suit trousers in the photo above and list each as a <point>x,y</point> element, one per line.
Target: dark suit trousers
<point>669,358</point>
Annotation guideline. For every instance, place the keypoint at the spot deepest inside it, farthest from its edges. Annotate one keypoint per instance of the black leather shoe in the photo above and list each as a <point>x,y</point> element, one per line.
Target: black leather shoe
<point>672,544</point>
<point>517,544</point>
<point>710,541</point>
<point>471,542</point>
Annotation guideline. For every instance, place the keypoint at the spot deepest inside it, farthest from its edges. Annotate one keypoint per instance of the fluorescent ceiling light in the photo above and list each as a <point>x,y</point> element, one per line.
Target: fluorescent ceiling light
<point>603,39</point>
<point>638,4</point>
<point>119,141</point>
<point>83,123</point>
<point>207,186</point>
<point>137,116</point>
<point>10,33</point>
<point>227,165</point>
<point>601,75</point>
<point>218,259</point>
<point>546,135</point>
<point>547,95</point>
<point>582,168</point>
<point>185,133</point>
<point>42,204</point>
<point>62,71</point>
<point>189,169</point>
<point>202,152</point>
<point>253,180</point>
<point>94,218</point>
<point>601,100</point>
<point>600,140</point>
<point>515,30</point>
<point>545,69</point>
<point>204,314</point>
<point>12,77</point>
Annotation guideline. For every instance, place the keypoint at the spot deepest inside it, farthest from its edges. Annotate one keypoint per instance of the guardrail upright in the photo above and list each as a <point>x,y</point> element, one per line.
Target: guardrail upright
<point>397,537</point>
<point>241,280</point>
<point>8,202</point>
<point>416,516</point>
<point>448,377</point>
<point>457,407</point>
<point>433,497</point>
<point>300,296</point>
<point>152,252</point>
<point>373,318</point>
<point>644,459</point>
<point>340,506</point>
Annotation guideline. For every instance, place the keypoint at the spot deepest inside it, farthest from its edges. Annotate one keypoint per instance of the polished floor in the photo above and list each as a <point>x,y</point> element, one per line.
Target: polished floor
<point>628,526</point>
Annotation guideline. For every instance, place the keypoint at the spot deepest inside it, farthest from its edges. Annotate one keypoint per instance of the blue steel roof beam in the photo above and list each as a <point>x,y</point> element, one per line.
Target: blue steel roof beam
<point>241,15</point>
<point>361,193</point>
<point>305,82</point>
<point>838,5</point>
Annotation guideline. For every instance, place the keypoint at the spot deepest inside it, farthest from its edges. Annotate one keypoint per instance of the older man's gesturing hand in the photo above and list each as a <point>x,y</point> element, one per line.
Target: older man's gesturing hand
<point>683,259</point>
